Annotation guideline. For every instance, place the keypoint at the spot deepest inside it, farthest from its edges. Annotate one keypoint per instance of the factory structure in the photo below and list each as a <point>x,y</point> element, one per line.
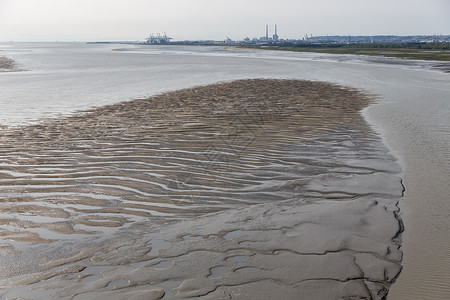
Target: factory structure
<point>275,39</point>
<point>158,39</point>
<point>266,39</point>
<point>164,39</point>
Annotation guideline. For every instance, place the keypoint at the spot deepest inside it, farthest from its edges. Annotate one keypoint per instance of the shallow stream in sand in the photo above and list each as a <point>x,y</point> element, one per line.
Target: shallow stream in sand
<point>102,199</point>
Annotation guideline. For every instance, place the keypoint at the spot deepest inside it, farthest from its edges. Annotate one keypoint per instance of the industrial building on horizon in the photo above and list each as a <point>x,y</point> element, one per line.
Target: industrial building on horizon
<point>164,39</point>
<point>275,39</point>
<point>158,39</point>
<point>264,39</point>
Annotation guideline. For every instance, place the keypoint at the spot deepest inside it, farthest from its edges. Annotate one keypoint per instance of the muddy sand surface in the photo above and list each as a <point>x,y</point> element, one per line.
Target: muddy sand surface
<point>251,189</point>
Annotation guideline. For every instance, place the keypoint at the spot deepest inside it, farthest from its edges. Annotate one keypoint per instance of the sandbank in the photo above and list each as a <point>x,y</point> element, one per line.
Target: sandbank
<point>246,190</point>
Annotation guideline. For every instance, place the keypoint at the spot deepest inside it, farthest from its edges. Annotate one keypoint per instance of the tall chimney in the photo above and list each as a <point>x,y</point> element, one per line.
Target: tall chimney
<point>267,31</point>
<point>275,29</point>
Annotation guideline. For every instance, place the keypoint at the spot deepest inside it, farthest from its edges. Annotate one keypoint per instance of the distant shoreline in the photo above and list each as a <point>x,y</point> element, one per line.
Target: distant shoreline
<point>413,51</point>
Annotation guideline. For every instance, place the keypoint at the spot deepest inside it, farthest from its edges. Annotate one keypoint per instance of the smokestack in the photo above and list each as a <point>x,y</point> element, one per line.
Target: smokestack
<point>275,29</point>
<point>267,31</point>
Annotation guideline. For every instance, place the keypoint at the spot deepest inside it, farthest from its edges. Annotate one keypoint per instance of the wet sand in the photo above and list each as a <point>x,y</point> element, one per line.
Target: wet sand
<point>417,129</point>
<point>247,189</point>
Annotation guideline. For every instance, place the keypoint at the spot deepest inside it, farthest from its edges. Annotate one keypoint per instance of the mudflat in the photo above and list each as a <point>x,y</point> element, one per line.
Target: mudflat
<point>247,189</point>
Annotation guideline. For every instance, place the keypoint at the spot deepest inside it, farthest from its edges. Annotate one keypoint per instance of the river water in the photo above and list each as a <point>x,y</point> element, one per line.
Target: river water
<point>412,116</point>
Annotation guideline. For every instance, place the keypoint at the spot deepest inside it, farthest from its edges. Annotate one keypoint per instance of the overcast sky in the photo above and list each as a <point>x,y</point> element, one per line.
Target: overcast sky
<point>100,20</point>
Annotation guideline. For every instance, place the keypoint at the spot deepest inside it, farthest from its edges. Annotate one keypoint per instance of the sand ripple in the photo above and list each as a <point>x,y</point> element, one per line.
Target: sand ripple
<point>280,176</point>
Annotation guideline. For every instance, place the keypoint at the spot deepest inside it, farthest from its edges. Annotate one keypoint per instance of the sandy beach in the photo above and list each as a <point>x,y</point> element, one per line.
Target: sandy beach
<point>236,190</point>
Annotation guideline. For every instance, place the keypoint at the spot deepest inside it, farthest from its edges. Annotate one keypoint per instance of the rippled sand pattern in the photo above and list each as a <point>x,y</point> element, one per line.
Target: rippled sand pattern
<point>212,191</point>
